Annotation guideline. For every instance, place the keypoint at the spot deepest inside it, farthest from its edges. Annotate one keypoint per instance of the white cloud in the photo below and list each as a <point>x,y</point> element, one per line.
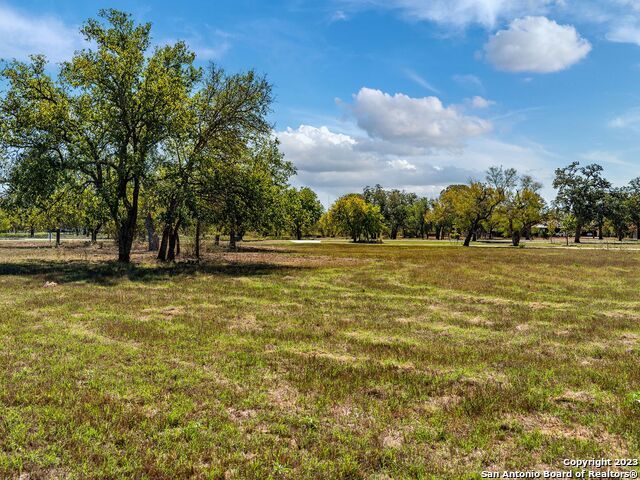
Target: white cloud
<point>334,163</point>
<point>480,102</point>
<point>319,149</point>
<point>461,13</point>
<point>24,34</point>
<point>536,44</point>
<point>626,31</point>
<point>419,122</point>
<point>401,164</point>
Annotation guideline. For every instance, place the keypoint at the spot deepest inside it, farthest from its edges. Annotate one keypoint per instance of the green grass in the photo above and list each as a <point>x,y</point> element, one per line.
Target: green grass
<point>317,361</point>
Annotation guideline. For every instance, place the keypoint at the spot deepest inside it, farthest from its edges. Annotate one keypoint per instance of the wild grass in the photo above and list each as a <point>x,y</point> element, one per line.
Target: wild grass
<point>316,361</point>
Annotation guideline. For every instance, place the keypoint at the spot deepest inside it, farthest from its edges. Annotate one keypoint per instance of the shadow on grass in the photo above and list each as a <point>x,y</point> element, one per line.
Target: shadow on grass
<point>109,273</point>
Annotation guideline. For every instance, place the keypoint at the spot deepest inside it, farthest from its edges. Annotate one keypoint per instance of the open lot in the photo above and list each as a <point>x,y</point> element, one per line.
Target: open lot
<point>309,361</point>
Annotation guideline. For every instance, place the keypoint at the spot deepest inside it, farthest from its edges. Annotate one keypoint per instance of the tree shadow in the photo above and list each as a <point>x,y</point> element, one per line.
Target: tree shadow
<point>110,273</point>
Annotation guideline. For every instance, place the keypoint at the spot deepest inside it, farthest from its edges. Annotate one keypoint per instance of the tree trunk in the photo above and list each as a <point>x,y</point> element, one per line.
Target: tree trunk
<point>197,245</point>
<point>125,242</point>
<point>174,243</point>
<point>438,233</point>
<point>162,251</point>
<point>127,229</point>
<point>216,241</point>
<point>232,238</point>
<point>600,236</point>
<point>58,241</point>
<point>94,233</point>
<point>32,231</point>
<point>620,235</point>
<point>467,240</point>
<point>515,238</point>
<point>171,251</point>
<point>578,233</point>
<point>394,233</point>
<point>298,232</point>
<point>152,237</point>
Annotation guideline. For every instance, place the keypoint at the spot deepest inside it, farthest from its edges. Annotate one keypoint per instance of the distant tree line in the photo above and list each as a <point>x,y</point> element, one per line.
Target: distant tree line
<point>504,204</point>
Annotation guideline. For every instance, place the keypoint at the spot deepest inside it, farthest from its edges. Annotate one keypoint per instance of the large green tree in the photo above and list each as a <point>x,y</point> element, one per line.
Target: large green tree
<point>106,114</point>
<point>225,116</point>
<point>581,192</point>
<point>302,210</point>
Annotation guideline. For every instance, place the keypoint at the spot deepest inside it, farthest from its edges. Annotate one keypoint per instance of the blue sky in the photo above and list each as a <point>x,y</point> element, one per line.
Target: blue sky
<point>414,94</point>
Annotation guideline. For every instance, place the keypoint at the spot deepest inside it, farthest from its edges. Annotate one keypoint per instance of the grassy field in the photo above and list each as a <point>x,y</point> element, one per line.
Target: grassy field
<point>317,361</point>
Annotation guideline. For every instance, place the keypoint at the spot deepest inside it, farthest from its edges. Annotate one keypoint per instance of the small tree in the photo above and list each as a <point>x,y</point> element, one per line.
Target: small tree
<point>521,209</point>
<point>417,219</point>
<point>353,216</point>
<point>617,209</point>
<point>302,210</point>
<point>472,204</point>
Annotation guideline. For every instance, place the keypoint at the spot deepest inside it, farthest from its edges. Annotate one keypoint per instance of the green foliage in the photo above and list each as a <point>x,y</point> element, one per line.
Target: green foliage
<point>351,215</point>
<point>302,210</point>
<point>581,191</point>
<point>102,120</point>
<point>617,209</point>
<point>472,204</point>
<point>522,207</point>
<point>417,218</point>
<point>395,206</point>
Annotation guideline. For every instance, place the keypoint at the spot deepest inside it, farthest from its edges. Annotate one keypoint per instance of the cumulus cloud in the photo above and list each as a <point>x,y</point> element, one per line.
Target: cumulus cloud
<point>319,149</point>
<point>420,122</point>
<point>334,163</point>
<point>536,44</point>
<point>26,34</point>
